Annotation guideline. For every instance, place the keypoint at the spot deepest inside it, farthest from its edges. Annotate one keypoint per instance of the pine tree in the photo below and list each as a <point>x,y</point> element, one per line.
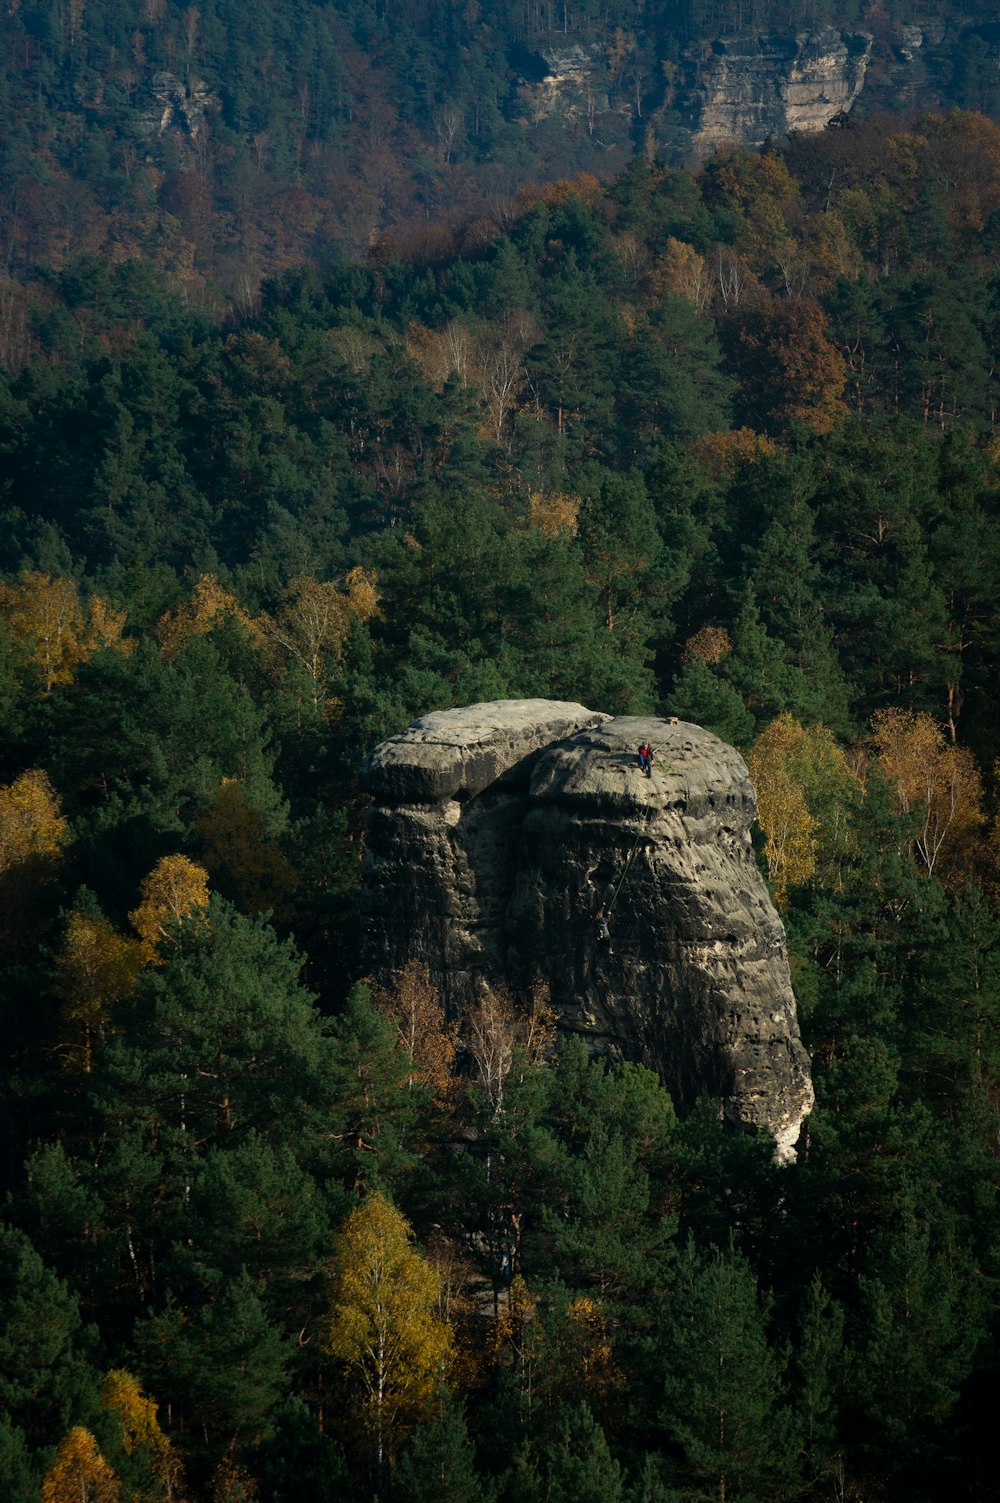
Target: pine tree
<point>43,1378</point>
<point>439,1463</point>
<point>725,1407</point>
<point>577,1463</point>
<point>15,1464</point>
<point>219,1361</point>
<point>375,1110</point>
<point>919,1328</point>
<point>607,1151</point>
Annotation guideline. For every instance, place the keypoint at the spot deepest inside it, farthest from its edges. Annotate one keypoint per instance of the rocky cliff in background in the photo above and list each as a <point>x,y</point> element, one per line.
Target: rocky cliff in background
<point>746,88</point>
<point>497,831</point>
<point>750,88</point>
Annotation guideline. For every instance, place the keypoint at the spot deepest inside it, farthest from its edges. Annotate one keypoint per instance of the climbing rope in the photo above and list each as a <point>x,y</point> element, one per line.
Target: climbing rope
<point>628,862</point>
<point>625,870</point>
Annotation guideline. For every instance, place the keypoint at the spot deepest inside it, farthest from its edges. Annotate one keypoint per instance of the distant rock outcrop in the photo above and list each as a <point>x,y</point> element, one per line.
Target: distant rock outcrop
<point>179,107</point>
<point>498,830</point>
<point>750,88</point>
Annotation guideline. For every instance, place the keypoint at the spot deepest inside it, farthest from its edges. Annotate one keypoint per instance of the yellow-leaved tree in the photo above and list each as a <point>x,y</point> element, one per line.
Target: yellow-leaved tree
<point>239,844</point>
<point>210,604</point>
<point>589,1349</point>
<point>33,831</point>
<point>680,271</point>
<point>554,513</point>
<point>384,1328</point>
<point>46,613</point>
<point>313,622</point>
<point>804,787</point>
<point>32,826</point>
<point>723,454</point>
<point>105,627</point>
<point>80,1473</point>
<point>710,644</point>
<point>174,890</point>
<point>95,966</point>
<point>122,1396</point>
<point>934,780</point>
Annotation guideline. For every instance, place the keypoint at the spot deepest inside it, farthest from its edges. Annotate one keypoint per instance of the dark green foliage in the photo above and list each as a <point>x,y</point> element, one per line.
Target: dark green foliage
<point>705,698</point>
<point>44,1378</point>
<point>298,1457</point>
<point>439,1465</point>
<point>604,538</point>
<point>22,1480</point>
<point>725,1413</point>
<point>906,1383</point>
<point>375,1112</point>
<point>607,1152</point>
<point>213,1045</point>
<point>221,1362</point>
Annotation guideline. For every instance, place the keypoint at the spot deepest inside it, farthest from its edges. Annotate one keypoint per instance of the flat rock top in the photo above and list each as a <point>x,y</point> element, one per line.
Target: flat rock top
<point>457,753</point>
<point>599,765</point>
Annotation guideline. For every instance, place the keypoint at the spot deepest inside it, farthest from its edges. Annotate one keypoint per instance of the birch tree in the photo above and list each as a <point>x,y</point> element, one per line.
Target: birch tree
<point>383,1325</point>
<point>933,779</point>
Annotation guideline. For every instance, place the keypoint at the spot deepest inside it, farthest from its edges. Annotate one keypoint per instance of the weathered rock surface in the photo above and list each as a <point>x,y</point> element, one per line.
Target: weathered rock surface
<point>744,88</point>
<point>178,106</point>
<point>753,87</point>
<point>496,832</point>
<point>572,83</point>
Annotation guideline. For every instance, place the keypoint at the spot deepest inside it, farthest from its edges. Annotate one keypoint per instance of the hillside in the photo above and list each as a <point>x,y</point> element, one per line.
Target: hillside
<point>227,141</point>
<point>718,444</point>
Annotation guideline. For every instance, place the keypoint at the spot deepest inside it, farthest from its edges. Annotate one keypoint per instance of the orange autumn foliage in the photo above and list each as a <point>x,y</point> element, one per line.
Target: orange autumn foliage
<point>413,1006</point>
<point>80,1473</point>
<point>94,968</point>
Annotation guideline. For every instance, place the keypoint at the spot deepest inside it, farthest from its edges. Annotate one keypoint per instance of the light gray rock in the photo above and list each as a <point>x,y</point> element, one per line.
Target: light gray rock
<point>497,831</point>
<point>751,88</point>
<point>457,753</point>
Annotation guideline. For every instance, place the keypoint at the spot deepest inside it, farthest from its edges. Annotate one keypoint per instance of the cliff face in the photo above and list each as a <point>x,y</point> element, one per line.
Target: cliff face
<point>496,833</point>
<point>740,89</point>
<point>753,87</point>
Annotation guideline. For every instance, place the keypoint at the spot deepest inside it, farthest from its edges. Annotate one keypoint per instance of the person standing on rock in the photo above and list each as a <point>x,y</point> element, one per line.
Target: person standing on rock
<point>646,759</point>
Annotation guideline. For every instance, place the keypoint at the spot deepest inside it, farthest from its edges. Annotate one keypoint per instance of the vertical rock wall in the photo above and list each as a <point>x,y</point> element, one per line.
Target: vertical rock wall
<point>751,88</point>
<point>498,830</point>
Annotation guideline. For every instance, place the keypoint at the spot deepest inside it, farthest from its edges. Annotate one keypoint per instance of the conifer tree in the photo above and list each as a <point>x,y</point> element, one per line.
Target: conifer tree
<point>43,1379</point>
<point>725,1407</point>
<point>439,1464</point>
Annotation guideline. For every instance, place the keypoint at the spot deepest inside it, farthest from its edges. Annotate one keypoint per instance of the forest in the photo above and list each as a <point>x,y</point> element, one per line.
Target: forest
<point>228,140</point>
<point>720,445</point>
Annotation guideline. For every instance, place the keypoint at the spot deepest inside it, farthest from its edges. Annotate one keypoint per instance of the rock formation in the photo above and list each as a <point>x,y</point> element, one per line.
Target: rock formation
<point>178,107</point>
<point>498,830</point>
<point>569,80</point>
<point>750,88</point>
<point>744,88</point>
